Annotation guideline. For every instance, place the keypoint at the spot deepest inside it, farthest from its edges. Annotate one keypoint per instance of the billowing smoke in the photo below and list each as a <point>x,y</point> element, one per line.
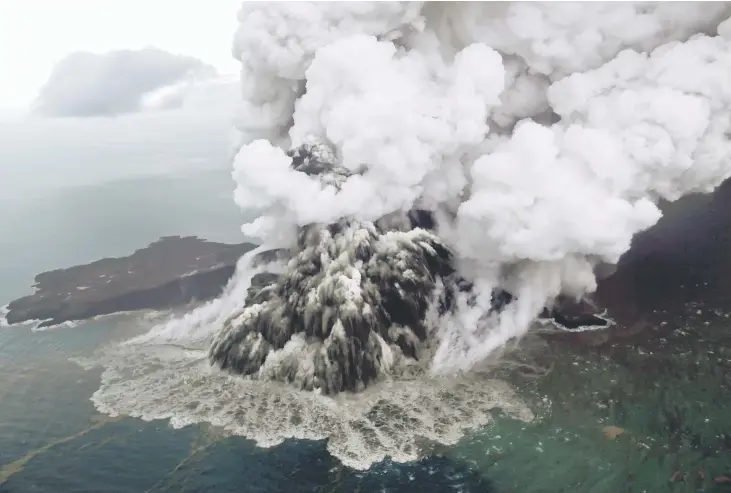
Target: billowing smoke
<point>534,139</point>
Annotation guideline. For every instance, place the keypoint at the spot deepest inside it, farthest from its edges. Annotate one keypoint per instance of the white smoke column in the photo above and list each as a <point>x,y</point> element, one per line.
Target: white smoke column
<point>350,103</point>
<point>276,42</point>
<point>452,107</point>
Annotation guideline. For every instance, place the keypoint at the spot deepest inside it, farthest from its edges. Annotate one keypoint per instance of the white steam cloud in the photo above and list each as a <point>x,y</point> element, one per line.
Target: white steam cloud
<point>541,134</point>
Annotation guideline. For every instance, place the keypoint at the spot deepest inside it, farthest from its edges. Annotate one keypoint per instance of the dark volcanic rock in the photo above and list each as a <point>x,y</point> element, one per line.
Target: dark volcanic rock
<point>573,314</point>
<point>350,290</point>
<point>172,271</point>
<point>685,258</point>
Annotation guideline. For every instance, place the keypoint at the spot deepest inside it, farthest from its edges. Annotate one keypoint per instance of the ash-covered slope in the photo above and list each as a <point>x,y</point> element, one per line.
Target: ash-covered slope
<point>354,295</point>
<point>352,300</point>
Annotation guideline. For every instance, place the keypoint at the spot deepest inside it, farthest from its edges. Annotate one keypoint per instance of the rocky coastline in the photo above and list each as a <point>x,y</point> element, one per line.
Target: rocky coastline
<point>170,272</point>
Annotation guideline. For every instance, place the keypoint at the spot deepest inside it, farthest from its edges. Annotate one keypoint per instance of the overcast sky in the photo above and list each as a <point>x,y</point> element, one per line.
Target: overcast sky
<point>37,34</point>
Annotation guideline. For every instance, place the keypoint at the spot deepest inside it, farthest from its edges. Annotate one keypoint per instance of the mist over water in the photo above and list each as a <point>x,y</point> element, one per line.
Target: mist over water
<point>143,168</point>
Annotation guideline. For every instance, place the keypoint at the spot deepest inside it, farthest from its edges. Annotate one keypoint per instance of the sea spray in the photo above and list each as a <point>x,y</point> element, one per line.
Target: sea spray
<point>165,374</point>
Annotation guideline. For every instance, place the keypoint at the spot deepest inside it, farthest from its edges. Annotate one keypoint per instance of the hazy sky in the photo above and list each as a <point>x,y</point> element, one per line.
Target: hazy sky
<point>36,34</point>
<point>91,130</point>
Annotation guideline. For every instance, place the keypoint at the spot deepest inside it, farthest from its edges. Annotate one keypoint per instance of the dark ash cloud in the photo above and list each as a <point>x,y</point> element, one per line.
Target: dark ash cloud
<point>89,84</point>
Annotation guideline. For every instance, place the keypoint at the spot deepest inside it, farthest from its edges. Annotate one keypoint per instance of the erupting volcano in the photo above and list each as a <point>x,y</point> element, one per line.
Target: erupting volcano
<point>429,181</point>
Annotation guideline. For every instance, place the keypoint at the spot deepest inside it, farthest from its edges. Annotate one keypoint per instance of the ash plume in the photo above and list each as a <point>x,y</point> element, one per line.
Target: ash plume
<point>535,139</point>
<point>352,297</point>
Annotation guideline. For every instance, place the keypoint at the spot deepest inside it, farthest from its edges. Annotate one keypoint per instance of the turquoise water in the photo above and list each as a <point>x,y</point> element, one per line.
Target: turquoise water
<point>665,393</point>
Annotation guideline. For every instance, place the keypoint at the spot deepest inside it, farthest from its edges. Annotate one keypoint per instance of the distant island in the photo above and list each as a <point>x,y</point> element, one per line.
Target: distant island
<point>170,272</point>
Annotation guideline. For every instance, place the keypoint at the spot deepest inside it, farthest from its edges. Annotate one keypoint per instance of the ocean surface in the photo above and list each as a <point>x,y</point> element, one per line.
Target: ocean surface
<point>648,415</point>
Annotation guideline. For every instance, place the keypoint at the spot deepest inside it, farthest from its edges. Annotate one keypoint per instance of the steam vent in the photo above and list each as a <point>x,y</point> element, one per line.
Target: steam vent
<point>356,298</point>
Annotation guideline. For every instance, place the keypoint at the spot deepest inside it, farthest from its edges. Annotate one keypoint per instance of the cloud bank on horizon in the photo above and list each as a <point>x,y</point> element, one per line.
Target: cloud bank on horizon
<point>542,135</point>
<point>119,82</point>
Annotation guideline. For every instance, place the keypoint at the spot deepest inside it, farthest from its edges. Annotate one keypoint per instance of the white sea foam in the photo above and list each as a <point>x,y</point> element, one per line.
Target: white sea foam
<point>37,327</point>
<point>165,374</point>
<point>4,310</point>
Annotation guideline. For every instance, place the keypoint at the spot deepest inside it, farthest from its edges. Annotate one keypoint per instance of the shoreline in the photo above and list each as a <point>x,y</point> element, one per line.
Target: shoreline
<point>170,272</point>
